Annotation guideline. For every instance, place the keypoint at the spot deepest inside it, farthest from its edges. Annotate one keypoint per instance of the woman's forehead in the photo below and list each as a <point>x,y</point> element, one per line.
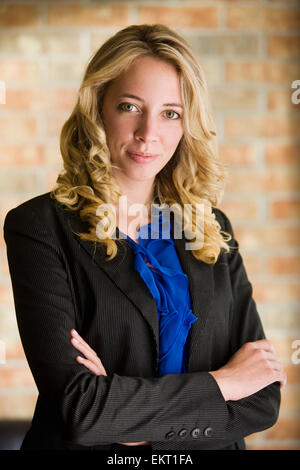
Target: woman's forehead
<point>148,75</point>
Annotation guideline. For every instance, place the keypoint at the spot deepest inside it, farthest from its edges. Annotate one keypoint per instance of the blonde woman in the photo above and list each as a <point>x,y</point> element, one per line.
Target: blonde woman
<point>149,342</point>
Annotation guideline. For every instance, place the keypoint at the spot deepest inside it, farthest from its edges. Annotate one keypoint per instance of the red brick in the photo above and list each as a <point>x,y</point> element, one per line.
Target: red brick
<point>266,19</point>
<point>66,70</point>
<point>281,180</point>
<point>26,180</point>
<point>19,15</point>
<point>281,100</point>
<point>51,178</point>
<point>282,154</point>
<point>55,122</point>
<point>276,291</point>
<point>97,39</point>
<point>283,264</point>
<point>237,155</point>
<point>283,348</point>
<point>285,428</point>
<point>21,155</point>
<point>293,374</point>
<point>242,181</point>
<point>26,127</point>
<point>37,42</point>
<point>261,72</point>
<point>281,318</point>
<point>233,98</point>
<point>14,349</point>
<point>37,99</point>
<point>240,210</point>
<point>6,296</point>
<point>4,270</point>
<point>262,127</point>
<point>18,405</point>
<point>253,264</point>
<point>284,46</point>
<point>290,398</point>
<point>12,70</point>
<point>16,376</point>
<point>53,156</point>
<point>268,236</point>
<point>285,209</point>
<point>87,15</point>
<point>224,45</point>
<point>182,17</point>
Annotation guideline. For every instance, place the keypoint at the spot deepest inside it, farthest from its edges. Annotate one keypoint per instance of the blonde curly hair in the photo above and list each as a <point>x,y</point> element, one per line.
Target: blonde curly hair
<point>193,175</point>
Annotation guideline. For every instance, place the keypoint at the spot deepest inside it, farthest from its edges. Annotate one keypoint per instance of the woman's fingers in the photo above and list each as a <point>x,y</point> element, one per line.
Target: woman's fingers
<point>269,355</point>
<point>83,349</point>
<point>266,355</point>
<point>252,367</point>
<point>78,338</point>
<point>92,366</point>
<point>91,361</point>
<point>264,344</point>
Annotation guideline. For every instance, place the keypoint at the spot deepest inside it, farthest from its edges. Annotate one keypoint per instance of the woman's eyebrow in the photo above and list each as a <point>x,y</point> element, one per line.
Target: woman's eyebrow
<point>129,95</point>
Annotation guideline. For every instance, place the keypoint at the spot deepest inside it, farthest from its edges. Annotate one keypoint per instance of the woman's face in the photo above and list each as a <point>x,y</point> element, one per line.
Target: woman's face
<point>142,116</point>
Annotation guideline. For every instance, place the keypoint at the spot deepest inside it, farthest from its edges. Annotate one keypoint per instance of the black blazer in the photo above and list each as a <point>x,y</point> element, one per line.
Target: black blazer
<point>60,282</point>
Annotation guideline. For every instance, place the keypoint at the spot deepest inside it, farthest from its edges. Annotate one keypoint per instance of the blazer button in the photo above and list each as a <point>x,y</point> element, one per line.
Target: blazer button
<point>208,432</point>
<point>182,433</point>
<point>195,433</point>
<point>170,435</point>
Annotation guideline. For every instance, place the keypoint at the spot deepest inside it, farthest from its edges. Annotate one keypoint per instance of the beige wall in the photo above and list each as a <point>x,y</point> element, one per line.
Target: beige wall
<point>250,51</point>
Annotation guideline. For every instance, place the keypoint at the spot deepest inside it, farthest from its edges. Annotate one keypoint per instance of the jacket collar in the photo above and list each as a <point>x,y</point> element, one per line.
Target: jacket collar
<point>122,273</point>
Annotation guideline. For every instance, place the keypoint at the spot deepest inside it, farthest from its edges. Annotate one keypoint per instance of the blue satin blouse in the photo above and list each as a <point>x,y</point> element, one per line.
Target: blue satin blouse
<point>169,288</point>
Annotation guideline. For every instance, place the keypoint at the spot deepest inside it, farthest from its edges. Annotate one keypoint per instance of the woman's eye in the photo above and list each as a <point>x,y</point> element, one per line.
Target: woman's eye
<point>126,106</point>
<point>172,115</point>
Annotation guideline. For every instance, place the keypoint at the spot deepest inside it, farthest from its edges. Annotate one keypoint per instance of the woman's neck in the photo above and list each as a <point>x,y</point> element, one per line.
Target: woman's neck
<point>134,209</point>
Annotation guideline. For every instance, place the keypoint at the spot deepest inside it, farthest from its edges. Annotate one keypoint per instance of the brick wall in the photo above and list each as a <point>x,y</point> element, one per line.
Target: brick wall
<point>250,51</point>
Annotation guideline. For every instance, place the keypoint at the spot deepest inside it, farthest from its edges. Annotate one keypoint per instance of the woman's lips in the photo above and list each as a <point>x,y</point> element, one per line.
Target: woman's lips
<point>140,158</point>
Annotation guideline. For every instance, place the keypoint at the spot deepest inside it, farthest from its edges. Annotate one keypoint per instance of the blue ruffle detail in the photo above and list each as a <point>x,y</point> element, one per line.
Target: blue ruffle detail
<point>169,288</point>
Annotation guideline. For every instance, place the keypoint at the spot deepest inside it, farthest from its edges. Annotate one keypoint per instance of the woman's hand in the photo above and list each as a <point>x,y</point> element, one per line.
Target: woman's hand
<point>92,362</point>
<point>253,367</point>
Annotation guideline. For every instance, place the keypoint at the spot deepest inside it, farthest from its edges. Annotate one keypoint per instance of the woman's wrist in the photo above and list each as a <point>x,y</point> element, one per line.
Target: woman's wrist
<point>222,382</point>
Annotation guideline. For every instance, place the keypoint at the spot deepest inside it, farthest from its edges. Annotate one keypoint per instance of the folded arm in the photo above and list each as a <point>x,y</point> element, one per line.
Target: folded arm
<point>104,409</point>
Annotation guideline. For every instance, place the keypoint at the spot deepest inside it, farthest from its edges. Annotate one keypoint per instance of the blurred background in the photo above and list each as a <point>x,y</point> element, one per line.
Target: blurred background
<point>250,52</point>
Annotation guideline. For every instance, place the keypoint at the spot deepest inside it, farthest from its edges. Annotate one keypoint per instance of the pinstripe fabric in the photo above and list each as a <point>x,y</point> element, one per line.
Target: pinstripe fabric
<point>60,282</point>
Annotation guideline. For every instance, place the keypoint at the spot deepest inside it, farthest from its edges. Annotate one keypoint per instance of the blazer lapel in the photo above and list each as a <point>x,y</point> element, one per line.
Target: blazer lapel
<point>201,286</point>
<point>201,281</point>
<point>122,273</point>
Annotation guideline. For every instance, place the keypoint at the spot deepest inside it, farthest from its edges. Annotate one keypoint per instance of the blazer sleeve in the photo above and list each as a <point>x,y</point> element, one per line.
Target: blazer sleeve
<point>260,410</point>
<point>103,409</point>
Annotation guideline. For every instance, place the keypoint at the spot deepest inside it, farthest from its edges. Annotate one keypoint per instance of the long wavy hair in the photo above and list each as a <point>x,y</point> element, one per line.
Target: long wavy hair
<point>193,175</point>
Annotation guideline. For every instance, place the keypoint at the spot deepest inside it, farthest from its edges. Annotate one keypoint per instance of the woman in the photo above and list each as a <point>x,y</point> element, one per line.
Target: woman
<point>132,340</point>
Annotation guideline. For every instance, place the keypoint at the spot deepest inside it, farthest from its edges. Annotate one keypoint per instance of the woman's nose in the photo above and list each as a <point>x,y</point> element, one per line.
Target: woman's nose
<point>147,129</point>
